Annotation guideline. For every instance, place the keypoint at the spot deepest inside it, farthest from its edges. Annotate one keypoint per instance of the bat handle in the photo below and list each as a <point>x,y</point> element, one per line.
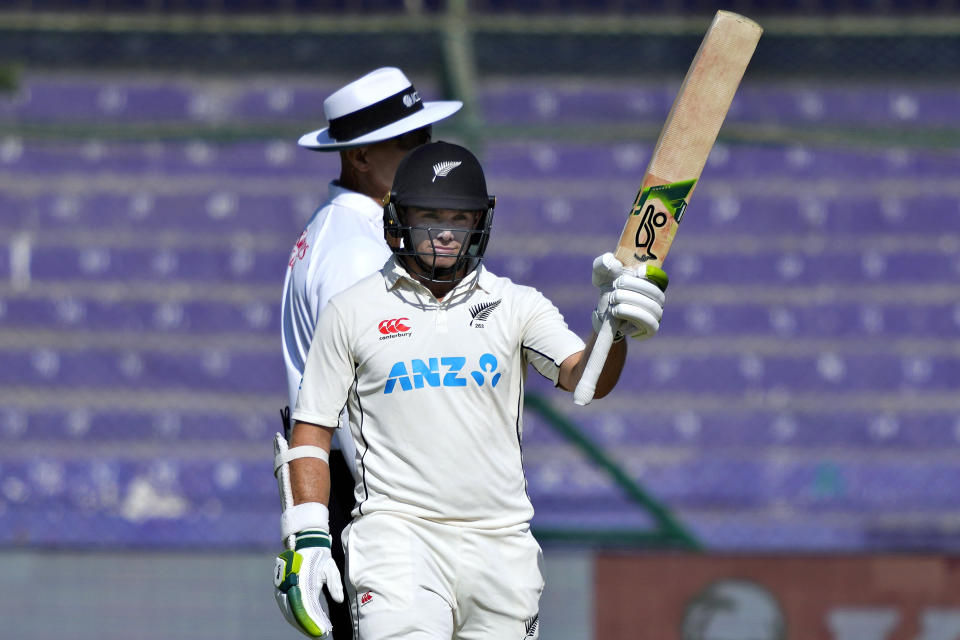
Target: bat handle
<point>284,485</point>
<point>598,357</point>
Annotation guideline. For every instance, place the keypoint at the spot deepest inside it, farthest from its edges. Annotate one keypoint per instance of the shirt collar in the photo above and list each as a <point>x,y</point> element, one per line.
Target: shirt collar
<point>394,273</point>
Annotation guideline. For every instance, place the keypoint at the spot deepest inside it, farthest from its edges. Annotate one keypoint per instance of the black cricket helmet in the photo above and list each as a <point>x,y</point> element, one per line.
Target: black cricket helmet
<point>439,175</point>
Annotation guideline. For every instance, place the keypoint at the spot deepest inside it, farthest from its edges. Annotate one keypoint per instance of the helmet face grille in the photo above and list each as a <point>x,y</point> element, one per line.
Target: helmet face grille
<point>473,244</point>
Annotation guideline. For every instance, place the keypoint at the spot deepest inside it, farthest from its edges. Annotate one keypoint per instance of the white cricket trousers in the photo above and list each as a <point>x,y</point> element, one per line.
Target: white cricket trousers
<point>414,579</point>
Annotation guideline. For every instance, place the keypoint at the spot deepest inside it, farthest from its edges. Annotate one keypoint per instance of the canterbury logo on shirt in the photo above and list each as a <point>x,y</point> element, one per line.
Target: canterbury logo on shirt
<point>449,371</point>
<point>394,327</point>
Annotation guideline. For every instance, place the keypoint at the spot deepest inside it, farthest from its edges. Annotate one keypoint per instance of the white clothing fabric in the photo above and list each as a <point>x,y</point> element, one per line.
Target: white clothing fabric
<point>419,580</point>
<point>434,391</point>
<point>341,244</point>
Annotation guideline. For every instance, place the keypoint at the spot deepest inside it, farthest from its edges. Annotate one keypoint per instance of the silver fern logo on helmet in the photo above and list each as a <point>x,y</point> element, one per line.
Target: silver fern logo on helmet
<point>441,169</point>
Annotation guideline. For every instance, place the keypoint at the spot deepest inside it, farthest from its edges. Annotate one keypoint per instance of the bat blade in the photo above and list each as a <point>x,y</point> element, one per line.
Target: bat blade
<point>688,135</point>
<point>678,158</point>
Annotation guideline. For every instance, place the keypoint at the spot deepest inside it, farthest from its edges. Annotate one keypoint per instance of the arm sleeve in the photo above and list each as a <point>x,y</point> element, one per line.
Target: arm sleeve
<point>328,373</point>
<point>546,340</point>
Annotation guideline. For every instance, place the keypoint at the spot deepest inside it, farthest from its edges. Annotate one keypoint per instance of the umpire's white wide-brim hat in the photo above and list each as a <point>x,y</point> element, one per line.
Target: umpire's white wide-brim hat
<point>381,105</point>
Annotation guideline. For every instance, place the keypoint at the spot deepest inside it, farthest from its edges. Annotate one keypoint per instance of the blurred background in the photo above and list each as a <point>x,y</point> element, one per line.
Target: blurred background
<point>781,461</point>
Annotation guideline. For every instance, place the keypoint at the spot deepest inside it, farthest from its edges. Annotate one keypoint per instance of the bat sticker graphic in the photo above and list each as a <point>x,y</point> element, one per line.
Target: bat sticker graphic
<point>678,160</point>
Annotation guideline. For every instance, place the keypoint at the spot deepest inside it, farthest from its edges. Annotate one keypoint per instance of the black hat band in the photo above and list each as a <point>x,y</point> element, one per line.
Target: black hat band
<point>376,116</point>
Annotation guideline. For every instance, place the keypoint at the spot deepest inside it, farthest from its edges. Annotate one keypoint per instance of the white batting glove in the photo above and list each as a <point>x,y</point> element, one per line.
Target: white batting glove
<point>298,579</point>
<point>635,300</point>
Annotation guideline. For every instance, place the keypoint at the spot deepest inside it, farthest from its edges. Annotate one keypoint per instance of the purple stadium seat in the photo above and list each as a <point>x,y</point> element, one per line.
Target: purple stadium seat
<point>100,426</point>
<point>211,369</point>
<point>806,363</point>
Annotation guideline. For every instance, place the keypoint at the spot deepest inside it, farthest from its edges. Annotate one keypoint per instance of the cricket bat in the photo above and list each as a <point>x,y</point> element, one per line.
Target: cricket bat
<point>282,473</point>
<point>678,159</point>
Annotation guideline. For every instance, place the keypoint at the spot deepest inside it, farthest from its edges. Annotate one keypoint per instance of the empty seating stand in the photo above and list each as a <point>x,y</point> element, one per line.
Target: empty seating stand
<point>801,389</point>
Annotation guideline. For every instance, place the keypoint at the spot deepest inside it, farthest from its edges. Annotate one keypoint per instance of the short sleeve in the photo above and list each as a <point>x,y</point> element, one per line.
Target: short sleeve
<point>546,340</point>
<point>328,373</point>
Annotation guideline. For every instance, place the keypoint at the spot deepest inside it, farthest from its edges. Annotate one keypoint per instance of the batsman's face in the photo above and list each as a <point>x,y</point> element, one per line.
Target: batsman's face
<point>439,235</point>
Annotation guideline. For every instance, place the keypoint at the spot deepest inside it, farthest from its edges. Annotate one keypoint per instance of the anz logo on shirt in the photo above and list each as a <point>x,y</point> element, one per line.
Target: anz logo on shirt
<point>451,371</point>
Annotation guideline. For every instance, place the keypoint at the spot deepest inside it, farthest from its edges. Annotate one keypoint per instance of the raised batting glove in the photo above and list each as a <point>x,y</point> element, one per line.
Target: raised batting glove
<point>300,575</point>
<point>634,299</point>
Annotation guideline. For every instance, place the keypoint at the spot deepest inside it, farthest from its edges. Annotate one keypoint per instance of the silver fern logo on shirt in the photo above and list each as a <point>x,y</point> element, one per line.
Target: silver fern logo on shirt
<point>533,627</point>
<point>443,169</point>
<point>480,313</point>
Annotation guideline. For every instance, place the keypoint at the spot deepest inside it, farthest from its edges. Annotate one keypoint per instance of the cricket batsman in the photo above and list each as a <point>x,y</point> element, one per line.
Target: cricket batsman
<point>430,356</point>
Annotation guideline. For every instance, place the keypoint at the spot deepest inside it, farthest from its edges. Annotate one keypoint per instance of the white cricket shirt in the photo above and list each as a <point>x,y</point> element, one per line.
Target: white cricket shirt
<point>435,391</point>
<point>341,244</point>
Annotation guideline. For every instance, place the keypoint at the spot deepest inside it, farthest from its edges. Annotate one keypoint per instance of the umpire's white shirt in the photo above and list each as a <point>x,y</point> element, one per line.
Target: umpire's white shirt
<point>435,391</point>
<point>341,244</point>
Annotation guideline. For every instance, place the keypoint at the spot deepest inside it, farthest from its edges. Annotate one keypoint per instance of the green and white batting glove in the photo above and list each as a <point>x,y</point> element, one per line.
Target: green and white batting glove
<point>635,296</point>
<point>301,573</point>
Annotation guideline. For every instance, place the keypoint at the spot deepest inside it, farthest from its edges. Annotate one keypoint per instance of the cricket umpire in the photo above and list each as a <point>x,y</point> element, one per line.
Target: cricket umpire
<point>430,356</point>
<point>372,123</point>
